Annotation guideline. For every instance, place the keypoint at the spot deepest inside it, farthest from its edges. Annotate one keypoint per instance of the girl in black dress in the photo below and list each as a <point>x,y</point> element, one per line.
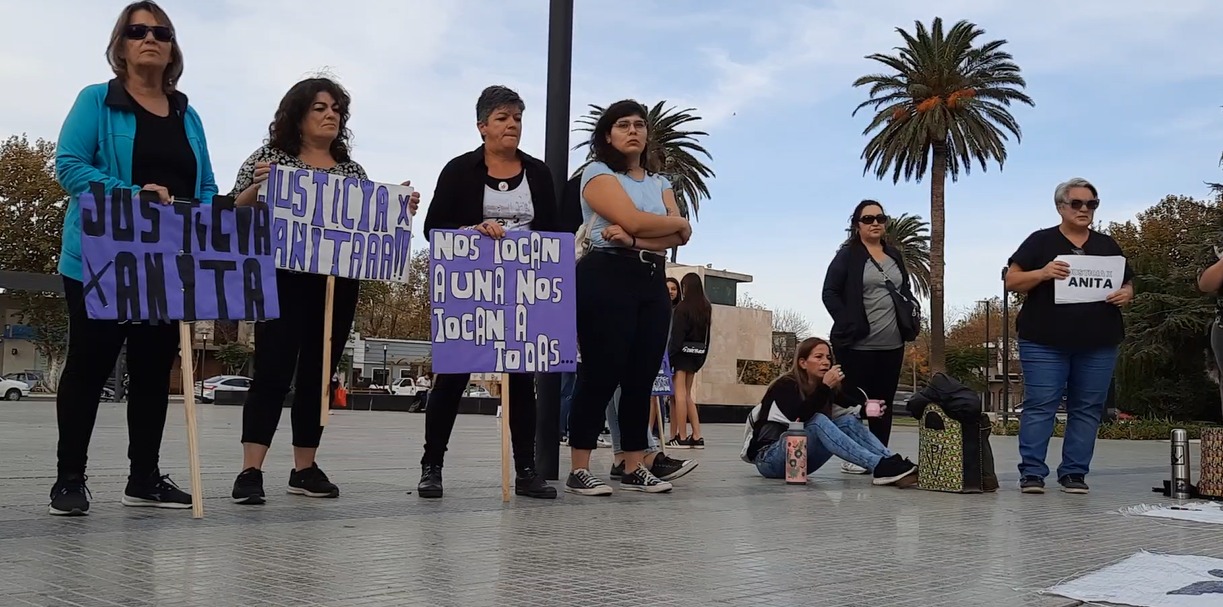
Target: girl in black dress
<point>690,326</point>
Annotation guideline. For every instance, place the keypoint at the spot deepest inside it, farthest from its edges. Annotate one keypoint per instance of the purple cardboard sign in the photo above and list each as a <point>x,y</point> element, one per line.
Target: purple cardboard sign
<point>662,382</point>
<point>323,223</point>
<point>145,261</point>
<point>502,305</point>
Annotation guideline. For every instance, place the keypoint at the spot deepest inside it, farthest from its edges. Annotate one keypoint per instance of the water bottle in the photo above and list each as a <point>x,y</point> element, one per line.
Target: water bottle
<point>1180,464</point>
<point>796,454</point>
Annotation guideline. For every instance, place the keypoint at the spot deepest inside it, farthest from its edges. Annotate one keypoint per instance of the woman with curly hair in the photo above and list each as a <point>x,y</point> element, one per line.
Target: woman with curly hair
<point>310,131</point>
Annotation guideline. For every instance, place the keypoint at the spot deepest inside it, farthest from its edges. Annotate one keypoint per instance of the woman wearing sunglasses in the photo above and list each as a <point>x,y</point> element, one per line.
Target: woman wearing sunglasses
<point>1066,350</point>
<point>866,333</point>
<point>135,132</point>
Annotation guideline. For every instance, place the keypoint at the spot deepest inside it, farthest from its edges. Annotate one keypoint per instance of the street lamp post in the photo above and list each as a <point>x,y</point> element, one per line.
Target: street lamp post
<point>1006,352</point>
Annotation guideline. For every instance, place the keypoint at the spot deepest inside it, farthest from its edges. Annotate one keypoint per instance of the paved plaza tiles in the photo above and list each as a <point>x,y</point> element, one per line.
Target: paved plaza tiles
<point>724,537</point>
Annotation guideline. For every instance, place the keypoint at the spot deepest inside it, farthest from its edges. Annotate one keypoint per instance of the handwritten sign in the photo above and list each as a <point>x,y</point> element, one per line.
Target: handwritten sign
<point>1092,278</point>
<point>662,382</point>
<point>145,261</point>
<point>324,223</point>
<point>502,305</point>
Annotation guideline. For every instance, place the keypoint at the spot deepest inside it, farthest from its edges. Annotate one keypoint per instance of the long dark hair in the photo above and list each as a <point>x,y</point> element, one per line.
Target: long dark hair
<point>693,303</point>
<point>285,131</point>
<point>806,385</point>
<point>679,291</point>
<point>602,149</point>
<point>854,226</point>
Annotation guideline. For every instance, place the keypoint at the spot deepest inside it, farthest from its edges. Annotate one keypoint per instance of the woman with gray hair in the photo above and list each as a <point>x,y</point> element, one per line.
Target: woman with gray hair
<point>1066,349</point>
<point>494,189</point>
<point>135,132</point>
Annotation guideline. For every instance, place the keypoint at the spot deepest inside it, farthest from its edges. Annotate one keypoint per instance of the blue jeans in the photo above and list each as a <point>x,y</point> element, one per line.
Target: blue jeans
<point>847,438</point>
<point>613,424</point>
<point>568,382</point>
<point>1083,376</point>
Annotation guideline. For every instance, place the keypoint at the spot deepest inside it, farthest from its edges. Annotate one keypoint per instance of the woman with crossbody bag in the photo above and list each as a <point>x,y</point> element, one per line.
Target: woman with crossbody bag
<point>867,293</point>
<point>688,348</point>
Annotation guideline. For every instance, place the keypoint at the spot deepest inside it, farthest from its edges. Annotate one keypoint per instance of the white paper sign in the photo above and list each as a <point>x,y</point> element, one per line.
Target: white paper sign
<point>1151,580</point>
<point>324,223</point>
<point>1092,278</point>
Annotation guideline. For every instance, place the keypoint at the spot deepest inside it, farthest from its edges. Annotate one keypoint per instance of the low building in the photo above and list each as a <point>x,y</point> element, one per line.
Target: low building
<point>378,360</point>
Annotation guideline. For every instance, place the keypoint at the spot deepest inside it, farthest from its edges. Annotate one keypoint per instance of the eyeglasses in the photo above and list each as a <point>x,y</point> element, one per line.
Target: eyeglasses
<point>1091,205</point>
<point>138,31</point>
<point>869,219</point>
<point>625,125</point>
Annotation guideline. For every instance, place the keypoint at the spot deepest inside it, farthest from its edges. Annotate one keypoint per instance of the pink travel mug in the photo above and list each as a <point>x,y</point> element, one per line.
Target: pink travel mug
<point>874,407</point>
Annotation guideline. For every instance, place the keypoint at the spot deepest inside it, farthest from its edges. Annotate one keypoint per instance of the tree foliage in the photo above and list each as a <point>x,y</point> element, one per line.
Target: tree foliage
<point>32,206</point>
<point>941,104</point>
<point>1163,369</point>
<point>911,235</point>
<point>397,311</point>
<point>234,356</point>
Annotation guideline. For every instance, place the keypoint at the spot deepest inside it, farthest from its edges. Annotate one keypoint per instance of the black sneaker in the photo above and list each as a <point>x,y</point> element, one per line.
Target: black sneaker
<point>669,469</point>
<point>1032,484</point>
<point>696,443</point>
<point>69,496</point>
<point>678,443</point>
<point>1074,483</point>
<point>892,469</point>
<point>248,488</point>
<point>312,482</point>
<point>582,482</point>
<point>531,484</point>
<point>617,470</point>
<point>430,484</point>
<point>155,491</point>
<point>642,480</point>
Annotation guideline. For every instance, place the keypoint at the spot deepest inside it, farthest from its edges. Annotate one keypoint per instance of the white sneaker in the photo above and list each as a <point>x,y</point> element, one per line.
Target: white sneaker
<point>604,443</point>
<point>848,468</point>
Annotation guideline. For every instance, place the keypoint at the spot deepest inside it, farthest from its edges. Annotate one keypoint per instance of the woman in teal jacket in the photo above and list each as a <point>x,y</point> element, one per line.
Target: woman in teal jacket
<point>136,132</point>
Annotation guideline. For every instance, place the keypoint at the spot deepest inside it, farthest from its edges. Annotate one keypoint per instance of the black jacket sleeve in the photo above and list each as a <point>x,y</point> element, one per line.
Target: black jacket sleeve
<point>544,201</point>
<point>443,209</point>
<point>834,284</point>
<point>570,216</point>
<point>680,327</point>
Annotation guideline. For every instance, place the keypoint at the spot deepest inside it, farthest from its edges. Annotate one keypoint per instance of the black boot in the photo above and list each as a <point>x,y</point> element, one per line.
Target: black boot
<point>531,484</point>
<point>430,481</point>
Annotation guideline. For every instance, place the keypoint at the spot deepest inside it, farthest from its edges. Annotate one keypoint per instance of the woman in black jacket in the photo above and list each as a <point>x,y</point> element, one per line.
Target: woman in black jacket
<point>493,189</point>
<point>866,328</point>
<point>687,350</point>
<point>812,393</point>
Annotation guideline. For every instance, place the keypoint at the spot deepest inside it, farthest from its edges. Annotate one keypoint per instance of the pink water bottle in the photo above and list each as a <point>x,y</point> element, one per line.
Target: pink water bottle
<point>796,454</point>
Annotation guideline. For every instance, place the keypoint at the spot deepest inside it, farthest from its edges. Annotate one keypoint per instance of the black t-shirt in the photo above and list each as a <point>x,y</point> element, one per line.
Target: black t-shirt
<point>1073,326</point>
<point>161,153</point>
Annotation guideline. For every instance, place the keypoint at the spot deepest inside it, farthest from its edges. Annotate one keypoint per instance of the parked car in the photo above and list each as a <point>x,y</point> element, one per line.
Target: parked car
<point>28,378</point>
<point>474,391</point>
<point>206,390</point>
<point>13,389</point>
<point>405,387</point>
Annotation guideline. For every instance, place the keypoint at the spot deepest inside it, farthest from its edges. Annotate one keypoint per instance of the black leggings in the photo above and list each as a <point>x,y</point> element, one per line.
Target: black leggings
<point>443,408</point>
<point>876,372</point>
<point>623,315</point>
<point>93,350</point>
<point>289,351</point>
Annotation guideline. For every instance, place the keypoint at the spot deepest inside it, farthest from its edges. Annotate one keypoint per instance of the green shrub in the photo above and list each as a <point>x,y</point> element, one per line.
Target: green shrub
<point>1133,429</point>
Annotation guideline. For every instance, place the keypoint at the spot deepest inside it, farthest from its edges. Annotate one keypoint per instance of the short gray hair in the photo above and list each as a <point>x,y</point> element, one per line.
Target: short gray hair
<point>1062,194</point>
<point>494,98</point>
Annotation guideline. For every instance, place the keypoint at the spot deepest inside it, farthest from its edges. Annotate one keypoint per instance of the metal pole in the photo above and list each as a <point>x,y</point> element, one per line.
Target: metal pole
<point>989,361</point>
<point>556,156</point>
<point>1006,351</point>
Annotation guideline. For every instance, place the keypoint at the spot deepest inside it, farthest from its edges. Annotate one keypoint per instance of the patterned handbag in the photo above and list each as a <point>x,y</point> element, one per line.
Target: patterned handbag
<point>952,456</point>
<point>1210,480</point>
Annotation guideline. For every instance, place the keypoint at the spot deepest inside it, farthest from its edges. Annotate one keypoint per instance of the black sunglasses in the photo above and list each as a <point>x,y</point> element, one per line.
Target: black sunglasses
<point>138,31</point>
<point>1091,205</point>
<point>869,219</point>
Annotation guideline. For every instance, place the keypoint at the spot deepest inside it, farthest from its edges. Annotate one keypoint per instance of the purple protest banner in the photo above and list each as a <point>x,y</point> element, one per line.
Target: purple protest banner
<point>662,382</point>
<point>145,261</point>
<point>502,305</point>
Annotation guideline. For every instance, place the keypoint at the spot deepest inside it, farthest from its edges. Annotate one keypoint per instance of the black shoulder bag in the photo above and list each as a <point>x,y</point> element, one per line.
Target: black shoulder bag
<point>908,310</point>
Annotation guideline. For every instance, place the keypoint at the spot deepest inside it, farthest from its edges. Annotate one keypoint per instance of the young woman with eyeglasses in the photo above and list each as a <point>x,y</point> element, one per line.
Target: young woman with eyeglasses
<point>866,332</point>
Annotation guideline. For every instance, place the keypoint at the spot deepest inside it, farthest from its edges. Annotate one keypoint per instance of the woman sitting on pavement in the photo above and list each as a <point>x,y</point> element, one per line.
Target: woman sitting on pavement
<point>811,393</point>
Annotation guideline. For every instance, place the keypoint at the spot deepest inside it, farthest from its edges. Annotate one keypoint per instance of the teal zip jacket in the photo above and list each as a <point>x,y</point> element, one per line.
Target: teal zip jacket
<point>95,144</point>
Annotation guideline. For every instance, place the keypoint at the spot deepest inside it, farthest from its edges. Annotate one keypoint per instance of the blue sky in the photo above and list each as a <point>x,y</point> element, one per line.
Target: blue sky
<point>1127,92</point>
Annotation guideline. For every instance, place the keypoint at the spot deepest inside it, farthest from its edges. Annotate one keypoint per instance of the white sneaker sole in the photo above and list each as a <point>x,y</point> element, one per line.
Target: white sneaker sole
<point>662,487</point>
<point>136,502</point>
<point>892,479</point>
<point>604,490</point>
<point>303,492</point>
<point>74,512</point>
<point>853,469</point>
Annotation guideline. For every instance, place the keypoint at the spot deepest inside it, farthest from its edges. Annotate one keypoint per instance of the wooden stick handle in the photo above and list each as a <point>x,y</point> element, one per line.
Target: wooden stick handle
<point>506,456</point>
<point>328,308</point>
<point>186,360</point>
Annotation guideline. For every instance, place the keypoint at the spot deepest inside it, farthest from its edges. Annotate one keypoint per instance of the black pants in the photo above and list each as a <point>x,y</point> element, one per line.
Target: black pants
<point>93,349</point>
<point>623,317</point>
<point>289,351</point>
<point>876,372</point>
<point>443,408</point>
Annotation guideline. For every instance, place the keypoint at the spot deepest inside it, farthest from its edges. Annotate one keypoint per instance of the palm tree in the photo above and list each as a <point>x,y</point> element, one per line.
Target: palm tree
<point>942,104</point>
<point>673,153</point>
<point>911,235</point>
